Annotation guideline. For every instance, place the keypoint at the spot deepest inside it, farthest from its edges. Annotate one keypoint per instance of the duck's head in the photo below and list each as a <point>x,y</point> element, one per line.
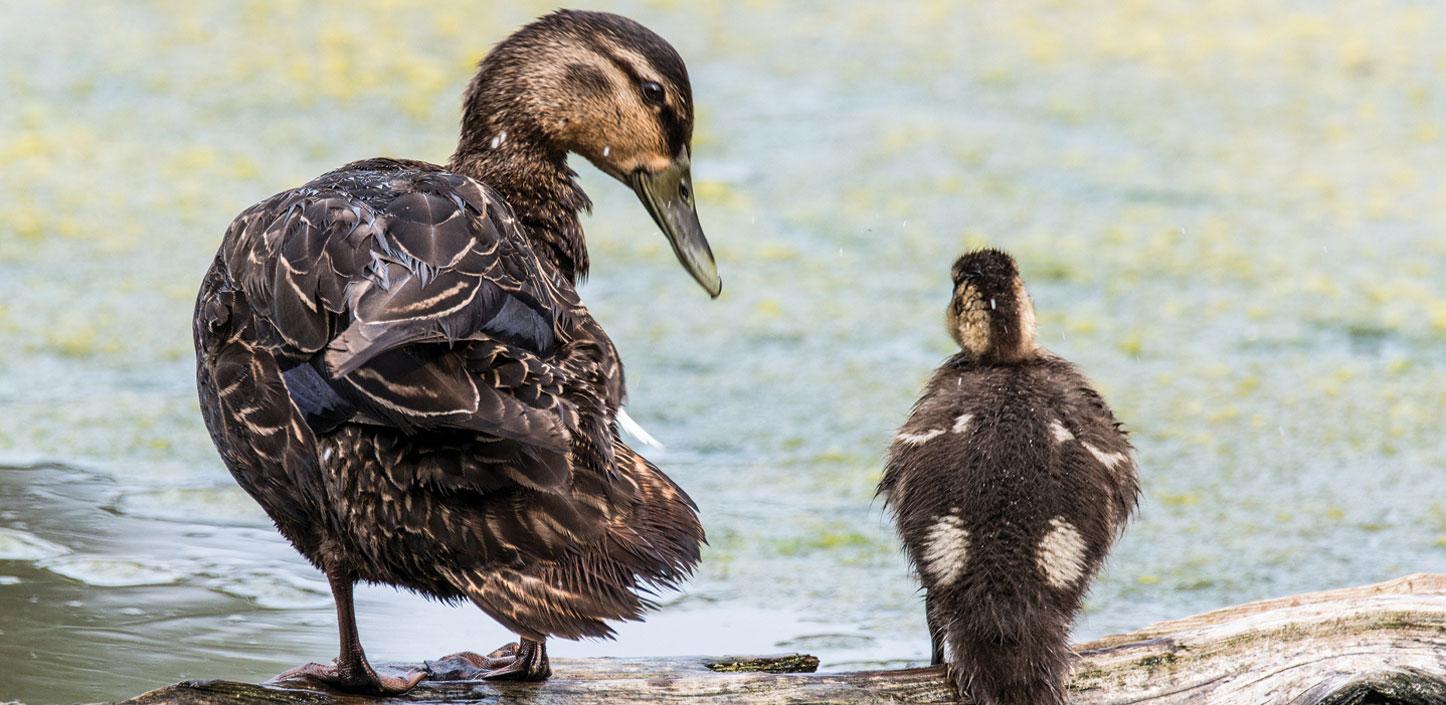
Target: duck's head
<point>990,314</point>
<point>607,88</point>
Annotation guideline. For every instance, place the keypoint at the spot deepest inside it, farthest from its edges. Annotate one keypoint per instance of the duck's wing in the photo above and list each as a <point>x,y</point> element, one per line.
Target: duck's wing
<point>372,281</point>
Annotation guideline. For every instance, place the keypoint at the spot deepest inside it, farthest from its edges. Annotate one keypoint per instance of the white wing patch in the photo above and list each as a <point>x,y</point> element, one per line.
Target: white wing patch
<point>1109,460</point>
<point>1060,433</point>
<point>918,439</point>
<point>946,550</point>
<point>961,424</point>
<point>1061,554</point>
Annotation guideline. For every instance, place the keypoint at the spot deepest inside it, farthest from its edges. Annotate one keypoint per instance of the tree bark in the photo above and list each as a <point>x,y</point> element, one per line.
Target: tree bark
<point>1378,644</point>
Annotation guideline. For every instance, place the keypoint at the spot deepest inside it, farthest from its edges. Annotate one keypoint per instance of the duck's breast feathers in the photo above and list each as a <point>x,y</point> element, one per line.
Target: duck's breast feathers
<point>370,274</point>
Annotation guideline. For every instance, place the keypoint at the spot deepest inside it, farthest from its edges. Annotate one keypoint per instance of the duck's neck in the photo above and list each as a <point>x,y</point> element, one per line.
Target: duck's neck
<point>534,179</point>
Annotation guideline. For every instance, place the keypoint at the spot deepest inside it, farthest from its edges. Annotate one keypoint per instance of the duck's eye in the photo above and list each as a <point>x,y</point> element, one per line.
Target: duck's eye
<point>685,192</point>
<point>653,92</point>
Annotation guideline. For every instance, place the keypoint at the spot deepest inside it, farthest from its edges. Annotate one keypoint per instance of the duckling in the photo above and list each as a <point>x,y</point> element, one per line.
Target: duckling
<point>1008,483</point>
<point>394,362</point>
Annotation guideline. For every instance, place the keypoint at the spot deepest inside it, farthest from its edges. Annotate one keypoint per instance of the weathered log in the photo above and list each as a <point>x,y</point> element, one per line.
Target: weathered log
<point>1379,644</point>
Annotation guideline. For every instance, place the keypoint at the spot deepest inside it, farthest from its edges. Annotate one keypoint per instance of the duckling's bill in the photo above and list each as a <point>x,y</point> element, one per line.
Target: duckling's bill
<point>668,196</point>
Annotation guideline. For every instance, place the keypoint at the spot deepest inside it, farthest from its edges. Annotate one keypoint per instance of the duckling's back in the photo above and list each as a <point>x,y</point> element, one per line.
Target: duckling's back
<point>1008,483</point>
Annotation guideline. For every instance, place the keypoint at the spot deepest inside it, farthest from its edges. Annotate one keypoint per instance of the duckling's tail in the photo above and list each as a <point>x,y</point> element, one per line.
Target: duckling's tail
<point>1021,659</point>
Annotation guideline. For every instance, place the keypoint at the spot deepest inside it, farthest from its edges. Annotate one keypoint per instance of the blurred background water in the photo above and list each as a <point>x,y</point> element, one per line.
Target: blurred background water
<point>1231,213</point>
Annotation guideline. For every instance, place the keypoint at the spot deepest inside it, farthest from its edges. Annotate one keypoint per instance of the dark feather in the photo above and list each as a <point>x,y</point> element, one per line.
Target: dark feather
<point>1004,451</point>
<point>316,398</point>
<point>445,421</point>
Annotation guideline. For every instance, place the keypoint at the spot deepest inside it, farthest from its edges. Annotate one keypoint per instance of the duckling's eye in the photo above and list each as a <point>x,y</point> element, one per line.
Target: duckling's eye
<point>653,92</point>
<point>685,192</point>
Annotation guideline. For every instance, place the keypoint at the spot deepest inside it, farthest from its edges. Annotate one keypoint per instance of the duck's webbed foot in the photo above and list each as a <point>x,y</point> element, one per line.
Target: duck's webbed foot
<point>354,677</point>
<point>521,661</point>
<point>529,663</point>
<point>350,672</point>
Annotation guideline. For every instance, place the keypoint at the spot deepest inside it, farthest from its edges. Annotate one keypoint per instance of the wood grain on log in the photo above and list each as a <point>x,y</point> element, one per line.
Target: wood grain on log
<point>1379,644</point>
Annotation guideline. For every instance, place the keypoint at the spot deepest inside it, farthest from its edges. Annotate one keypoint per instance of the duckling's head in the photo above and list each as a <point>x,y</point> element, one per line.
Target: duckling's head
<point>991,315</point>
<point>607,88</point>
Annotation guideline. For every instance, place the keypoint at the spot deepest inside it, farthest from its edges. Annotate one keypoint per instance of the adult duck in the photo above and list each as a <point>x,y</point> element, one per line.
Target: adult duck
<point>393,360</point>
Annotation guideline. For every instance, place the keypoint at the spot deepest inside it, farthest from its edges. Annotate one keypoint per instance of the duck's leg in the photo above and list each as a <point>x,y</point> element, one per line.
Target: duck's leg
<point>350,672</point>
<point>524,660</point>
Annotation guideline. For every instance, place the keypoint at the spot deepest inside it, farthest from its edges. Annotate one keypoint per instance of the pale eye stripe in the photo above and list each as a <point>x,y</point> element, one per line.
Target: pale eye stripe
<point>1060,433</point>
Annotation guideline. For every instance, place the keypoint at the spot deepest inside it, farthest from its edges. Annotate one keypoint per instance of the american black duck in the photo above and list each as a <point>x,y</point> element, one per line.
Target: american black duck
<point>393,360</point>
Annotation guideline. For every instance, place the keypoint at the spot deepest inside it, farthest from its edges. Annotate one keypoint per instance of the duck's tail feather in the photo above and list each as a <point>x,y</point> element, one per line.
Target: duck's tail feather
<point>651,542</point>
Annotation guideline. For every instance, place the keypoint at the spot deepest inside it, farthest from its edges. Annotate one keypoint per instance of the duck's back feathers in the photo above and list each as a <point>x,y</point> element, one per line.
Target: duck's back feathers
<point>416,399</point>
<point>261,434</point>
<point>382,253</point>
<point>372,273</point>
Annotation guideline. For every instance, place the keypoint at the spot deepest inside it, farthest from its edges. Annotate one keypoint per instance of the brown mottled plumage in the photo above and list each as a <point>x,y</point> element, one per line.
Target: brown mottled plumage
<point>393,360</point>
<point>1009,482</point>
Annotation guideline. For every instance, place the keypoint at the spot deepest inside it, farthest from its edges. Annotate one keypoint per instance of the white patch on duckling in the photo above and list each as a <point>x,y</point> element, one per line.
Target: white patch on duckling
<point>1059,432</point>
<point>326,455</point>
<point>1061,554</point>
<point>497,140</point>
<point>607,149</point>
<point>946,550</point>
<point>1111,461</point>
<point>961,424</point>
<point>917,439</point>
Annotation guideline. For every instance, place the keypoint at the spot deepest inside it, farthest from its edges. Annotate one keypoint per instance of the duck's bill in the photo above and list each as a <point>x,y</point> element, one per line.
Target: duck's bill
<point>668,196</point>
